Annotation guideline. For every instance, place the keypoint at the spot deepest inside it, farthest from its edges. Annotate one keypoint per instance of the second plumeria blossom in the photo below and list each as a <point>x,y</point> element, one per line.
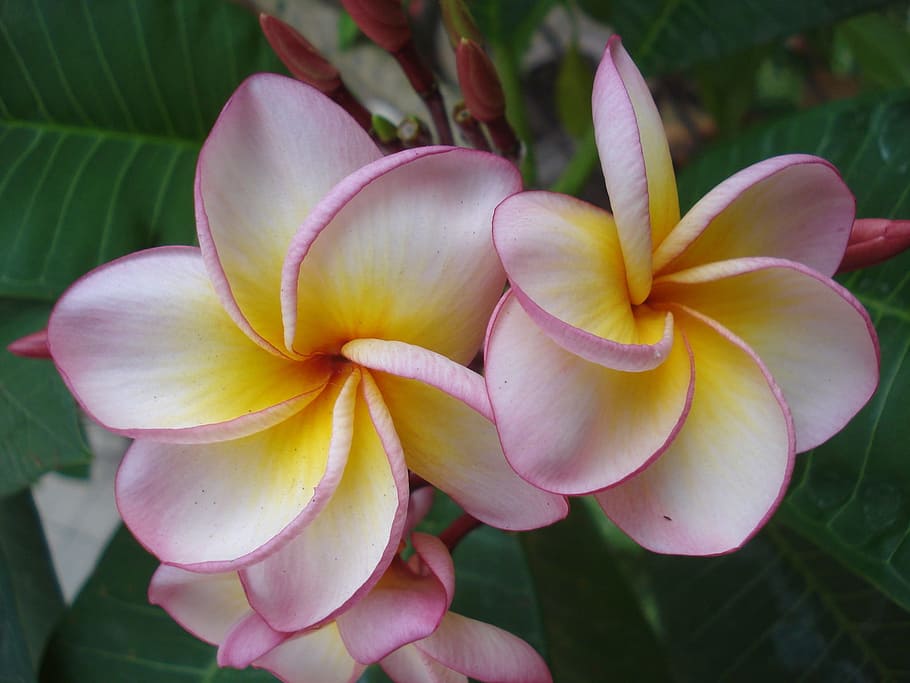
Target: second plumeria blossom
<point>674,366</point>
<point>283,378</point>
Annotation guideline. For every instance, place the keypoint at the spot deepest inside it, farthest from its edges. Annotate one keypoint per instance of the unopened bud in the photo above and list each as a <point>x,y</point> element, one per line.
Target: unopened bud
<point>383,21</point>
<point>479,82</point>
<point>32,345</point>
<point>873,241</point>
<point>458,22</point>
<point>299,56</point>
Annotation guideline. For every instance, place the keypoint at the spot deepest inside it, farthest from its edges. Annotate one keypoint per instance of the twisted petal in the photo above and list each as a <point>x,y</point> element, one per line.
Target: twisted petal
<point>276,149</point>
<point>402,607</point>
<point>313,657</point>
<point>795,207</point>
<point>448,440</point>
<point>726,470</point>
<point>400,250</point>
<point>343,552</point>
<point>249,639</point>
<point>815,338</point>
<point>571,426</point>
<point>563,259</point>
<point>149,352</point>
<point>410,665</point>
<point>215,507</point>
<point>636,163</point>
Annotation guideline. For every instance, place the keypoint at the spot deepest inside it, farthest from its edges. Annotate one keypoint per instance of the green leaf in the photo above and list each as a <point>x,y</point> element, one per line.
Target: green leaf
<point>573,92</point>
<point>103,108</point>
<point>30,599</point>
<point>777,610</point>
<point>39,426</point>
<point>851,496</point>
<point>880,46</point>
<point>668,35</point>
<point>510,24</point>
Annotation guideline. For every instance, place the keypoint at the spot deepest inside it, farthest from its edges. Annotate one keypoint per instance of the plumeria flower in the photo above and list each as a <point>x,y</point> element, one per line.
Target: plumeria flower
<point>674,366</point>
<point>403,623</point>
<point>281,379</point>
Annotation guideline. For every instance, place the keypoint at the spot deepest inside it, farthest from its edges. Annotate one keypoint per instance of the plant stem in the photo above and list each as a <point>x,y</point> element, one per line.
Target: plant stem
<point>457,530</point>
<point>508,67</point>
<point>580,166</point>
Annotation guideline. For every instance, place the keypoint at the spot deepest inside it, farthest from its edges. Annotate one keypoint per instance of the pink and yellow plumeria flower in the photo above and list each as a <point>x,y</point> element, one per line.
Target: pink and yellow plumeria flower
<point>674,366</point>
<point>282,378</point>
<point>403,623</point>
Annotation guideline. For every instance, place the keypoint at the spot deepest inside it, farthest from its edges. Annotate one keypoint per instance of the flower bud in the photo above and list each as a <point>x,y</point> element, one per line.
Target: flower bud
<point>873,241</point>
<point>299,56</point>
<point>383,21</point>
<point>459,23</point>
<point>479,82</point>
<point>32,345</point>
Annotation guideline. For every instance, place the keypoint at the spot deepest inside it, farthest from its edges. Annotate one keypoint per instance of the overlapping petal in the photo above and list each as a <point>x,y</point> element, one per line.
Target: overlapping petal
<point>411,665</point>
<point>815,338</point>
<point>763,211</point>
<point>313,657</point>
<point>277,147</point>
<point>145,346</point>
<point>400,250</point>
<point>340,554</point>
<point>727,468</point>
<point>564,261</point>
<point>635,159</point>
<point>454,447</point>
<point>571,426</point>
<point>213,507</point>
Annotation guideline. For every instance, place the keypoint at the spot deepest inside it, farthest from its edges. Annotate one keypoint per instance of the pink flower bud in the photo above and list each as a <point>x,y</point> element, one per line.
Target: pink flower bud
<point>873,241</point>
<point>299,56</point>
<point>383,21</point>
<point>32,345</point>
<point>479,82</point>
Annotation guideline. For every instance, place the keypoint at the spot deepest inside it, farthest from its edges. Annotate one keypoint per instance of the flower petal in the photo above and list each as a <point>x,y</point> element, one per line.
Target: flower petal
<point>206,605</point>
<point>248,640</point>
<point>343,552</point>
<point>401,250</point>
<point>216,507</point>
<point>410,665</point>
<point>815,338</point>
<point>795,207</point>
<point>571,426</point>
<point>313,657</point>
<point>728,467</point>
<point>563,259</point>
<point>277,147</point>
<point>455,448</point>
<point>635,159</point>
<point>484,652</point>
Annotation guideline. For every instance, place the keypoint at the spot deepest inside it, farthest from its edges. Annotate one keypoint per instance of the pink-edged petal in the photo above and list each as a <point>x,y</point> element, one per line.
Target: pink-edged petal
<point>420,501</point>
<point>248,640</point>
<point>277,148</point>
<point>206,605</point>
<point>455,448</point>
<point>342,553</point>
<point>215,507</point>
<point>313,657</point>
<point>401,250</point>
<point>431,554</point>
<point>402,607</point>
<point>635,159</point>
<point>815,338</point>
<point>563,259</point>
<point>728,467</point>
<point>795,207</point>
<point>571,426</point>
<point>410,665</point>
<point>484,652</point>
<point>148,351</point>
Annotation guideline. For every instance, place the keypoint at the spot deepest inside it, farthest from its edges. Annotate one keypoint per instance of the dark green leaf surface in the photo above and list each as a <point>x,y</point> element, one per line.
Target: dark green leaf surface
<point>39,426</point>
<point>103,106</point>
<point>777,610</point>
<point>30,600</point>
<point>667,35</point>
<point>852,495</point>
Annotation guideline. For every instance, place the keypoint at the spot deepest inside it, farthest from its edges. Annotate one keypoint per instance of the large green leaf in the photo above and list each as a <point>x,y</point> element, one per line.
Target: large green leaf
<point>39,427</point>
<point>777,610</point>
<point>103,106</point>
<point>668,35</point>
<point>30,600</point>
<point>852,495</point>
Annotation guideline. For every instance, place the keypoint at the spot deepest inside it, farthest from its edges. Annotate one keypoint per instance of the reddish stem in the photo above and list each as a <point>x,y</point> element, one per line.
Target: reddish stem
<point>457,530</point>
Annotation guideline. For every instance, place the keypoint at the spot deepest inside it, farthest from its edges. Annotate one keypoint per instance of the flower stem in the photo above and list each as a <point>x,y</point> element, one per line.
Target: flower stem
<point>458,529</point>
<point>578,170</point>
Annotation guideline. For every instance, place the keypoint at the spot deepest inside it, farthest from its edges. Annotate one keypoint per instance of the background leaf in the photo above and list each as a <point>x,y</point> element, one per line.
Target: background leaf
<point>30,600</point>
<point>851,496</point>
